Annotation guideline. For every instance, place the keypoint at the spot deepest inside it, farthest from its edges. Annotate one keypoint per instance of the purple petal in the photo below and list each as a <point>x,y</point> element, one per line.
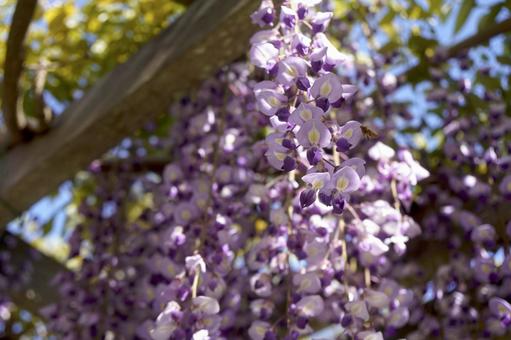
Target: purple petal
<point>314,133</point>
<point>345,180</point>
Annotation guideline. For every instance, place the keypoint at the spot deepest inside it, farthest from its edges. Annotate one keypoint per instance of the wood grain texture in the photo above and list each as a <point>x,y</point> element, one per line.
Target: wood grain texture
<point>210,34</point>
<point>27,279</point>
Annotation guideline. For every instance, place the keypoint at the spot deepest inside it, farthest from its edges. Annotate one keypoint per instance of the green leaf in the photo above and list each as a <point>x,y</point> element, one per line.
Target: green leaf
<point>464,12</point>
<point>47,227</point>
<point>28,103</point>
<point>489,18</point>
<point>504,59</point>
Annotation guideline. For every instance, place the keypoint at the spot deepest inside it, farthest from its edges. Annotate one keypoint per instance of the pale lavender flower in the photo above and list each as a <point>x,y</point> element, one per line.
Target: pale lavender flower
<point>224,174</point>
<point>331,57</point>
<point>205,305</point>
<point>399,317</point>
<point>483,269</point>
<point>262,307</point>
<point>185,213</point>
<point>370,335</point>
<point>165,323</point>
<point>264,15</point>
<point>194,263</point>
<point>327,86</point>
<point>258,329</point>
<point>264,55</point>
<point>380,151</point>
<point>505,186</point>
<point>264,36</point>
<point>288,16</point>
<point>316,251</point>
<point>203,334</point>
<point>358,309</point>
<point>376,299</point>
<point>314,133</point>
<point>345,180</point>
<point>269,101</point>
<point>358,164</point>
<point>317,180</point>
<point>320,21</point>
<point>172,173</point>
<point>308,283</point>
<point>301,43</point>
<point>484,234</point>
<point>310,306</point>
<point>290,69</point>
<point>500,308</point>
<point>373,245</point>
<point>352,133</point>
<point>305,112</point>
<point>261,284</point>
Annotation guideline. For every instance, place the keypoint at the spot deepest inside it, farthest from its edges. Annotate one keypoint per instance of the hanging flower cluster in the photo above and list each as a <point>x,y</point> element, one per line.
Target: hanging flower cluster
<point>466,221</point>
<point>300,100</point>
<point>276,218</point>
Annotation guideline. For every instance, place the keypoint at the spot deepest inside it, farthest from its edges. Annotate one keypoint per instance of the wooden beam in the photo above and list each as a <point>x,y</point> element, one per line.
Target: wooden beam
<point>210,34</point>
<point>26,276</point>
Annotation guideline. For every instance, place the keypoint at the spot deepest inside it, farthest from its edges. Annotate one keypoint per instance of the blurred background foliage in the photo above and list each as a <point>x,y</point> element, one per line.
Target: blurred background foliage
<point>78,42</point>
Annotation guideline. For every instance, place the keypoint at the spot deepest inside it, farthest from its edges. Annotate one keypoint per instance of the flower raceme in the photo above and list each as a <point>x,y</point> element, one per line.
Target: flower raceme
<point>302,93</point>
<point>237,250</point>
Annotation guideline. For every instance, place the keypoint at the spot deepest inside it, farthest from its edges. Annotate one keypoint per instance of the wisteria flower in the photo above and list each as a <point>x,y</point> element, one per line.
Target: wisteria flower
<point>269,101</point>
<point>258,329</point>
<point>195,262</point>
<point>345,180</point>
<point>380,151</point>
<point>172,173</point>
<point>399,317</point>
<point>264,55</point>
<point>203,334</point>
<point>369,335</point>
<point>310,306</point>
<point>308,283</point>
<point>358,164</point>
<point>261,284</point>
<point>376,299</point>
<point>314,133</point>
<point>317,180</point>
<point>290,69</point>
<point>327,86</point>
<point>305,112</point>
<point>500,308</point>
<point>205,305</point>
<point>505,187</point>
<point>264,15</point>
<point>320,21</point>
<point>358,309</point>
<point>330,57</point>
<point>185,213</point>
<point>352,133</point>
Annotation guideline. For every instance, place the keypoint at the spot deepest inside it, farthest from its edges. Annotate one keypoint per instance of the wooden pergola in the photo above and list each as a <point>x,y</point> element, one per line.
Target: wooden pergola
<point>210,34</point>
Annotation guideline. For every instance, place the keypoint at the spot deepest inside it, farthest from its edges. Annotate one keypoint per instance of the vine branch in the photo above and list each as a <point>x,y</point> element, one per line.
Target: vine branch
<point>13,65</point>
<point>475,40</point>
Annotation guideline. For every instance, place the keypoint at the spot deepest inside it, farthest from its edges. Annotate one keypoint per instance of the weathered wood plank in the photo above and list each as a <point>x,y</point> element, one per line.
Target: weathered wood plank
<point>210,34</point>
<point>27,276</point>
